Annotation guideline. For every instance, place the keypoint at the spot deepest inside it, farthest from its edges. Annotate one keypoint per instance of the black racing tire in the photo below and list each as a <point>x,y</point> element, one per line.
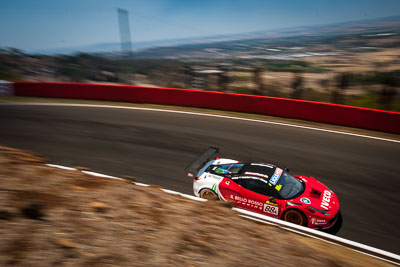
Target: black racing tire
<point>334,229</point>
<point>294,216</point>
<point>209,194</point>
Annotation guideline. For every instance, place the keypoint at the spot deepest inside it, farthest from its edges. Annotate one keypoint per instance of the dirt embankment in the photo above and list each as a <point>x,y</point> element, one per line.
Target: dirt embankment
<point>57,217</point>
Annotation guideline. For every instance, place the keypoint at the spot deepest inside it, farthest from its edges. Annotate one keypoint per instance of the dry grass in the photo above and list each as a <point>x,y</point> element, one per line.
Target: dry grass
<point>57,217</point>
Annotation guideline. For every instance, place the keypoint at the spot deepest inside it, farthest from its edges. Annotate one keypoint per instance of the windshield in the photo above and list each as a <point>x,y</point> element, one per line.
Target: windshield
<point>288,187</point>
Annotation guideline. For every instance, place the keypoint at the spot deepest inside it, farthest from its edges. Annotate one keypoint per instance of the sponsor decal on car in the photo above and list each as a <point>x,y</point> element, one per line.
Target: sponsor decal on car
<point>305,200</point>
<point>318,221</point>
<point>271,209</point>
<point>227,182</point>
<point>274,179</point>
<point>254,203</point>
<point>326,198</point>
<point>257,174</point>
<point>271,203</point>
<point>247,202</point>
<point>263,165</point>
<point>214,176</point>
<point>214,187</point>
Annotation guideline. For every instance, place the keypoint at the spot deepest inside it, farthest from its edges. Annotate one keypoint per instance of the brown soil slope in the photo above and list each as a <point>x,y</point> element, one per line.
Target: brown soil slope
<point>58,217</point>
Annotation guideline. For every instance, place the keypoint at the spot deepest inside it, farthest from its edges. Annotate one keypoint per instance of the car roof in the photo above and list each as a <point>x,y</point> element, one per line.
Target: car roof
<point>260,170</point>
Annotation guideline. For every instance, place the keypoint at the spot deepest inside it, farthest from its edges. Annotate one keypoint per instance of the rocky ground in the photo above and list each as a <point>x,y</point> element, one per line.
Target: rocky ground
<point>59,217</point>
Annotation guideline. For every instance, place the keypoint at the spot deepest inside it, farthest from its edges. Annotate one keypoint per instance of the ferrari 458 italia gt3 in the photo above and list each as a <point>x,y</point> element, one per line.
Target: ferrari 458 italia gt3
<point>267,189</point>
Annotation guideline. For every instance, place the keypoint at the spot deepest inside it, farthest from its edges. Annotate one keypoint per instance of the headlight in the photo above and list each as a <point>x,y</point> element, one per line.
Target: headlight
<point>324,212</point>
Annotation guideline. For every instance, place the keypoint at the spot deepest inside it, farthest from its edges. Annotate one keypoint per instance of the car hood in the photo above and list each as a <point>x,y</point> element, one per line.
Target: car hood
<point>318,195</point>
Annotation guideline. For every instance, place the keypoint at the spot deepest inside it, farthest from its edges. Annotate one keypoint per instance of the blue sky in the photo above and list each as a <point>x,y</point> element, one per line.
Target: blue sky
<point>37,25</point>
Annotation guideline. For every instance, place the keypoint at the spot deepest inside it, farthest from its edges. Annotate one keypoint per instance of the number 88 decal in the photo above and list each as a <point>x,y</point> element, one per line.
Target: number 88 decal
<point>271,209</point>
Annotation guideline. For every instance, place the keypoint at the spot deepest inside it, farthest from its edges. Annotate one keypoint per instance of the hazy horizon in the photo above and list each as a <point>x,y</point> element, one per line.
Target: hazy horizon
<point>49,25</point>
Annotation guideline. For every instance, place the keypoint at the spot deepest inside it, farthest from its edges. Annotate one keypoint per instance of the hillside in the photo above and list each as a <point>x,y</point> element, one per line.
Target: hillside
<point>60,217</point>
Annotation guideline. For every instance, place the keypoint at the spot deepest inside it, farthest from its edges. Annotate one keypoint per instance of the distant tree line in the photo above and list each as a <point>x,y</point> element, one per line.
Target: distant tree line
<point>82,67</point>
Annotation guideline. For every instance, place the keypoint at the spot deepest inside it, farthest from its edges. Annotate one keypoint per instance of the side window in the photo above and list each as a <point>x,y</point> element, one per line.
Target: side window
<point>257,186</point>
<point>221,170</point>
<point>238,180</point>
<point>226,169</point>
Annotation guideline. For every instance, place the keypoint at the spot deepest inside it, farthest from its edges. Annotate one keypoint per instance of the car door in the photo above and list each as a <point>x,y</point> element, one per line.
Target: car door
<point>258,196</point>
<point>229,190</point>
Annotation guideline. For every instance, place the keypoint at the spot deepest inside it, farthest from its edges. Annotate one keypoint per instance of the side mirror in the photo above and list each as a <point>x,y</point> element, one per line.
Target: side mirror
<point>286,169</point>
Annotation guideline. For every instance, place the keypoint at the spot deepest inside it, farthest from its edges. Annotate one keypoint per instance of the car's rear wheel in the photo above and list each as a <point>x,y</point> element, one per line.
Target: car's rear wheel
<point>208,194</point>
<point>295,216</point>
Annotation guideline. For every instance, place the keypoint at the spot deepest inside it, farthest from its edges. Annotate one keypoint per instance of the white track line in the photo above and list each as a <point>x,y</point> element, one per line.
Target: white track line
<point>255,219</point>
<point>206,115</point>
<point>267,220</point>
<point>193,198</point>
<point>183,195</point>
<point>101,175</point>
<point>319,234</point>
<point>315,237</point>
<point>140,184</point>
<point>61,167</point>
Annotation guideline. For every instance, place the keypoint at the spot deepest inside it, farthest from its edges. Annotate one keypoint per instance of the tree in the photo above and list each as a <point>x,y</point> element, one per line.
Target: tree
<point>342,83</point>
<point>297,85</point>
<point>388,91</point>
<point>223,79</point>
<point>258,79</point>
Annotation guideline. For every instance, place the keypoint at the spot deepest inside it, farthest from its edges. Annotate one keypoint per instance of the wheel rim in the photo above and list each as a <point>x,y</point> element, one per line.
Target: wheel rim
<point>294,217</point>
<point>208,194</point>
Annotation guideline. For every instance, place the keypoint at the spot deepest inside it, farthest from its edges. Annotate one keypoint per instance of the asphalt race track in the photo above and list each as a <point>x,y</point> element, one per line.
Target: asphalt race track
<point>155,147</point>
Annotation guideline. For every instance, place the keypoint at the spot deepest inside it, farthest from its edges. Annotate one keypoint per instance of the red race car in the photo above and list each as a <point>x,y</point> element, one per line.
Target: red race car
<point>264,188</point>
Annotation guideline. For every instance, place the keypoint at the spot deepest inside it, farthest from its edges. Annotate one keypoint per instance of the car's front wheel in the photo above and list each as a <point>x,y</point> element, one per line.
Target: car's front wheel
<point>295,216</point>
<point>208,194</point>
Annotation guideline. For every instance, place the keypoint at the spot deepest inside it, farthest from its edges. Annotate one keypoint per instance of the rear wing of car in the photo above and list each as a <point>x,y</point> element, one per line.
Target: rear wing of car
<point>192,169</point>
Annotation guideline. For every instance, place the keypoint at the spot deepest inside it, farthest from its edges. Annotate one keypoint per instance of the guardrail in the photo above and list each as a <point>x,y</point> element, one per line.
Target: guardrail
<point>365,118</point>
